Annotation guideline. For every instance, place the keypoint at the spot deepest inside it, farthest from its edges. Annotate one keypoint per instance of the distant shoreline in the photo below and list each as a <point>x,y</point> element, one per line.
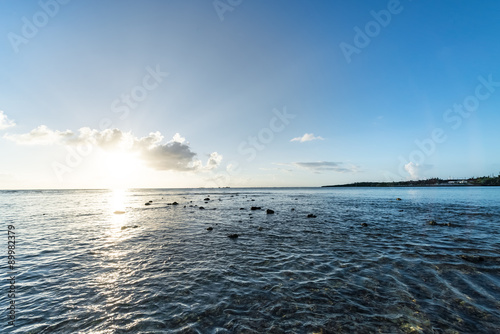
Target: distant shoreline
<point>354,185</point>
<point>486,181</point>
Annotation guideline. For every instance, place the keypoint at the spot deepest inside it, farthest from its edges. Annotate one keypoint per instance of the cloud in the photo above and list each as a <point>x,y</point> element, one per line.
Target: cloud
<point>42,135</point>
<point>307,137</point>
<point>170,156</point>
<point>324,166</point>
<point>5,122</point>
<point>416,171</point>
<point>287,170</point>
<point>214,160</point>
<point>178,138</point>
<point>174,155</point>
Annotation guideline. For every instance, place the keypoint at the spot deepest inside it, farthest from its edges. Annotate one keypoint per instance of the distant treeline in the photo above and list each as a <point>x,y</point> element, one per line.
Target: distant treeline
<point>473,181</point>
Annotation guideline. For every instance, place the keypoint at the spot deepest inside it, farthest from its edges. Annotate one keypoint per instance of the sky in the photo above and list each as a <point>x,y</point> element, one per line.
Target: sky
<point>240,93</point>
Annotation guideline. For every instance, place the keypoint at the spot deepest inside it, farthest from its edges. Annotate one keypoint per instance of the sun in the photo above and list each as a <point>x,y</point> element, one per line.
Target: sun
<point>121,164</point>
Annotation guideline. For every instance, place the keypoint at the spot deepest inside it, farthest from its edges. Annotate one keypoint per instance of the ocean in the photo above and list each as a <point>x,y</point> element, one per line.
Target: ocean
<point>328,260</point>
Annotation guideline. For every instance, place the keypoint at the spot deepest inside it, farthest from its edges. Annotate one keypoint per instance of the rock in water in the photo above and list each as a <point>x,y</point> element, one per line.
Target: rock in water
<point>126,227</point>
<point>207,199</point>
<point>255,208</point>
<point>202,208</point>
<point>311,216</point>
<point>210,228</point>
<point>269,211</point>
<point>233,236</point>
<point>472,258</point>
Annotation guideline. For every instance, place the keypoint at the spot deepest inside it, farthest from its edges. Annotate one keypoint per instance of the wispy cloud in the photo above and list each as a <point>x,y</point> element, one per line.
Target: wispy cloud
<point>307,137</point>
<point>42,135</point>
<point>214,160</point>
<point>323,166</point>
<point>416,171</point>
<point>175,154</point>
<point>5,122</point>
<point>277,169</point>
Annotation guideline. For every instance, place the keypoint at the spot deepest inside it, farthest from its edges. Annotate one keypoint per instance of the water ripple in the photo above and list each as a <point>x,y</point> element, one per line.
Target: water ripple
<point>157,269</point>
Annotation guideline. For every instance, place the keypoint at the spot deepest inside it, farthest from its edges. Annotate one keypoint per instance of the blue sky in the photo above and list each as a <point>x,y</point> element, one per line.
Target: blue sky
<point>170,93</point>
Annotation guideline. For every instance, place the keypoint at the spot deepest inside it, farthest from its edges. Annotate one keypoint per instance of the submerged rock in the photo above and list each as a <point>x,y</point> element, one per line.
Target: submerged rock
<point>472,258</point>
<point>233,236</point>
<point>433,222</point>
<point>125,227</point>
<point>260,228</point>
<point>269,211</point>
<point>364,224</point>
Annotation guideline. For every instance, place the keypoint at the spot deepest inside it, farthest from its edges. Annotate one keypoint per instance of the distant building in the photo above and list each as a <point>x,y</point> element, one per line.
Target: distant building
<point>457,181</point>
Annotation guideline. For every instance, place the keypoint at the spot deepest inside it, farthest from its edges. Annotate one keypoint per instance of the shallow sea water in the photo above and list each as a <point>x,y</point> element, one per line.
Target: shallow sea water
<point>81,268</point>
